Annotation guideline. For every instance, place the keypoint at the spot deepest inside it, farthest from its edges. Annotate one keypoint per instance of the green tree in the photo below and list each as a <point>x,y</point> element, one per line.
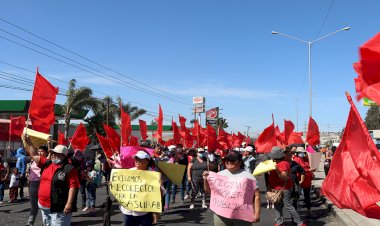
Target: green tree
<point>372,119</point>
<point>133,111</point>
<point>222,123</point>
<point>76,100</point>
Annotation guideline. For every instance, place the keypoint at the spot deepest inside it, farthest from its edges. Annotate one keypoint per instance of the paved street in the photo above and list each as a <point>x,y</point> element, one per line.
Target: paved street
<point>16,214</point>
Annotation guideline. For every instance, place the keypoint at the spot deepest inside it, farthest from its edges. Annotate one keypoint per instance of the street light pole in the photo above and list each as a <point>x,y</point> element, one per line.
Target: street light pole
<point>309,43</point>
<point>296,99</point>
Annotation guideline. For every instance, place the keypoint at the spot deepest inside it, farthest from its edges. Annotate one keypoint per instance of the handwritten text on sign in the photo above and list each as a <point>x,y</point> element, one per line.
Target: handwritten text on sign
<point>137,190</point>
<point>232,197</point>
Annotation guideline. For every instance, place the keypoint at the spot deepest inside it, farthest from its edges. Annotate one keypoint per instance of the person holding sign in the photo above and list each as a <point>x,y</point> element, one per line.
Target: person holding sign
<point>235,195</point>
<point>280,179</point>
<point>136,218</point>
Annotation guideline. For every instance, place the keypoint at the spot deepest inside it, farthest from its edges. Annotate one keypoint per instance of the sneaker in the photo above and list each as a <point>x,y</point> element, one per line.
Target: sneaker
<point>166,207</point>
<point>1,202</point>
<point>204,206</point>
<point>186,197</point>
<point>268,206</point>
<point>192,206</point>
<point>86,209</point>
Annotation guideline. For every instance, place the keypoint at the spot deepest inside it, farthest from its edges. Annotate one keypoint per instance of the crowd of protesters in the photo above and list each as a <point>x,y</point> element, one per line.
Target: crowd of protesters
<point>58,176</point>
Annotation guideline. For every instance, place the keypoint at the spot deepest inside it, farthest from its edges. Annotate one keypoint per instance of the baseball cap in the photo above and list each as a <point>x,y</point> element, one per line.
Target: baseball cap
<point>61,149</point>
<point>201,150</point>
<point>300,149</point>
<point>171,147</point>
<point>233,156</point>
<point>142,155</point>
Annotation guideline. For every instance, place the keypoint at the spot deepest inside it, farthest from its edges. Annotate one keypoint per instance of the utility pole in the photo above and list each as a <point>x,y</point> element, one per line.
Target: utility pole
<point>248,127</point>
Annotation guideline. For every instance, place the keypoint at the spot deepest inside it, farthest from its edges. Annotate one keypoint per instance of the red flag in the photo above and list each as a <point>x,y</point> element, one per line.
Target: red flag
<point>17,125</point>
<point>353,179</point>
<point>126,128</point>
<point>312,136</point>
<point>159,120</point>
<point>61,138</point>
<point>288,130</point>
<point>143,129</point>
<point>266,140</point>
<point>295,138</point>
<point>367,83</point>
<point>134,141</point>
<point>176,134</point>
<point>105,145</point>
<point>241,137</point>
<point>182,122</point>
<point>113,137</point>
<point>41,109</point>
<point>80,139</point>
<point>279,138</point>
<point>212,143</point>
<point>235,140</point>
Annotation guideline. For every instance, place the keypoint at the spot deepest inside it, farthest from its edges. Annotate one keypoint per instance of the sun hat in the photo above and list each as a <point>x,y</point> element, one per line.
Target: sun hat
<point>277,153</point>
<point>142,155</point>
<point>60,149</point>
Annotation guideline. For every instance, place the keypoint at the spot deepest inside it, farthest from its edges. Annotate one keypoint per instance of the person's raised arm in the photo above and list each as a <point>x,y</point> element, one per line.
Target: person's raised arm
<point>32,150</point>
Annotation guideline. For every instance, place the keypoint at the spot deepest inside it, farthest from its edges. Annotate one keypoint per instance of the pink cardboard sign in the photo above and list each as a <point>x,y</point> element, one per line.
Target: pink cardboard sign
<point>232,197</point>
<point>127,153</point>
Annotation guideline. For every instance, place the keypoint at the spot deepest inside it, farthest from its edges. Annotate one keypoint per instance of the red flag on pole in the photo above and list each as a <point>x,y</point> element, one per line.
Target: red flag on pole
<point>176,134</point>
<point>353,179</point>
<point>266,140</point>
<point>17,125</point>
<point>113,137</point>
<point>295,138</point>
<point>288,130</point>
<point>126,128</point>
<point>367,83</point>
<point>61,138</point>
<point>182,122</point>
<point>212,143</point>
<point>41,109</point>
<point>159,120</point>
<point>143,129</point>
<point>222,140</point>
<point>105,145</point>
<point>312,136</point>
<point>80,140</point>
<point>134,141</point>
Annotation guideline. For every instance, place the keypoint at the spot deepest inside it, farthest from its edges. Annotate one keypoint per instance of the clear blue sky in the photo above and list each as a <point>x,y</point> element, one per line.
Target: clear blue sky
<point>223,50</point>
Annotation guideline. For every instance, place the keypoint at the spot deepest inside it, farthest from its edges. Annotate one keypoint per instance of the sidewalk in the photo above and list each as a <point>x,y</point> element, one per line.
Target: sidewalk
<point>345,217</point>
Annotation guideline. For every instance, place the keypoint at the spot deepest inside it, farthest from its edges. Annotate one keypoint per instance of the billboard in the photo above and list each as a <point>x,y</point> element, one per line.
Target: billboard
<point>199,100</point>
<point>212,116</point>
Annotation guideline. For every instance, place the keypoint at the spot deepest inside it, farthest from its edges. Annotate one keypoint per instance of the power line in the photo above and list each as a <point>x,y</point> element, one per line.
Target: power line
<point>324,20</point>
<point>113,79</point>
<point>128,77</point>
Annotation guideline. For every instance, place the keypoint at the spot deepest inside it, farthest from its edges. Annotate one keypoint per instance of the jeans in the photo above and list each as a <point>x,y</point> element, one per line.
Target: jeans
<point>168,188</point>
<point>33,195</point>
<point>22,185</point>
<point>2,186</point>
<point>144,220</point>
<point>182,189</point>
<point>54,219</point>
<point>91,195</point>
<point>287,204</point>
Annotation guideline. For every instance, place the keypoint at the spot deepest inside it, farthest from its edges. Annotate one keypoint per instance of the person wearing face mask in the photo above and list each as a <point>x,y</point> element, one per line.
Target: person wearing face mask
<point>58,185</point>
<point>302,159</point>
<point>195,171</point>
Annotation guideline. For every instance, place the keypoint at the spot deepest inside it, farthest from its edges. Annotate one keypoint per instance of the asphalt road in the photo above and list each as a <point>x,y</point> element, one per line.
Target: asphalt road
<point>17,213</point>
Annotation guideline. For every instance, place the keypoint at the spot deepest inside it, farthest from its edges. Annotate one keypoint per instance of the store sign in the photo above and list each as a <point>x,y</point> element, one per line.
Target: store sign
<point>212,116</point>
<point>198,100</point>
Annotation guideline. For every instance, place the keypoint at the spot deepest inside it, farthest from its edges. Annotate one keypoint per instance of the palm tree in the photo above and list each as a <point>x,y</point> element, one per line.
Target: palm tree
<point>77,100</point>
<point>133,111</point>
<point>222,122</point>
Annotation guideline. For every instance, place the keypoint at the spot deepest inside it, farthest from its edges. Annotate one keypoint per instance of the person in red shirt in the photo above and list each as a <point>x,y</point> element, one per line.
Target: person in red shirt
<point>280,179</point>
<point>58,185</point>
<point>301,158</point>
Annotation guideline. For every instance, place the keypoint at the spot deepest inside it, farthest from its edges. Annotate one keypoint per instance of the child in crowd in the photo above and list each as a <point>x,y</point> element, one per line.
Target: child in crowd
<point>91,187</point>
<point>13,185</point>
